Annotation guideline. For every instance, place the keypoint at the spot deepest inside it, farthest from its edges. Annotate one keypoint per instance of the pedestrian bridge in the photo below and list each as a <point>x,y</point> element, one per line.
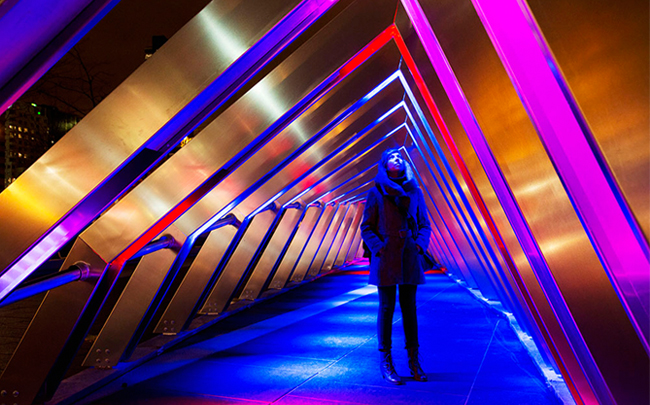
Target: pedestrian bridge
<point>233,165</point>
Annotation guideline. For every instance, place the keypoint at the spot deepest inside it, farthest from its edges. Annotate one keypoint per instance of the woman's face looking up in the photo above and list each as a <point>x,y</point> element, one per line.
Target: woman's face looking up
<point>395,163</point>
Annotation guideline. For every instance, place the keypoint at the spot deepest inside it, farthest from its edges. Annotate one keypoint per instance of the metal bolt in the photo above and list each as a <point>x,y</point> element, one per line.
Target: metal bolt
<point>165,322</point>
<point>3,393</point>
<point>99,350</point>
<point>16,393</point>
<point>98,360</point>
<point>173,322</point>
<point>165,329</point>
<point>107,351</point>
<point>107,360</point>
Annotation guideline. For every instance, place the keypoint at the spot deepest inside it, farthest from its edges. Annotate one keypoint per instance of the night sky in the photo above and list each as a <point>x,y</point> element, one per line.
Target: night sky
<point>116,45</point>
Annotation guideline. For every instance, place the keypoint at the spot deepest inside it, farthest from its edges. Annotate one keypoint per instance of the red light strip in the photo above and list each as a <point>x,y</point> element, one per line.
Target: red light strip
<point>364,54</point>
<point>428,99</point>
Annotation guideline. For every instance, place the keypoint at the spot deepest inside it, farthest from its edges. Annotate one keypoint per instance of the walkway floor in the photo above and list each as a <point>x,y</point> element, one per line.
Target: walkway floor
<point>316,344</point>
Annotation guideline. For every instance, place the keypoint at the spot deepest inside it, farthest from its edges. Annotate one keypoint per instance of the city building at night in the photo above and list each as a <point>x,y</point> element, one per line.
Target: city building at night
<point>235,221</point>
<point>29,131</point>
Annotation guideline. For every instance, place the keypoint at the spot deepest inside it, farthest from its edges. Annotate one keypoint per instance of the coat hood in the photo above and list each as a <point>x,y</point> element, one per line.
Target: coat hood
<point>388,186</point>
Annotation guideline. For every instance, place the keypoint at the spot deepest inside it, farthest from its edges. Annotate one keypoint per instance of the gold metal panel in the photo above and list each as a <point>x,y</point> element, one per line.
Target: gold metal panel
<point>344,214</point>
<point>288,261</point>
<point>601,322</point>
<point>350,183</point>
<point>315,239</point>
<point>303,129</point>
<point>136,298</point>
<point>356,242</point>
<point>181,308</point>
<point>320,238</point>
<point>63,311</point>
<point>240,126</point>
<point>602,50</point>
<point>356,155</point>
<point>542,306</point>
<point>351,232</point>
<point>519,308</point>
<point>266,265</point>
<point>470,266</point>
<point>113,133</point>
<point>234,271</point>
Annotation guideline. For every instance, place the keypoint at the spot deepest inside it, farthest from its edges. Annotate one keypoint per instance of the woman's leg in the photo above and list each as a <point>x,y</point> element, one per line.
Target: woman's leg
<point>385,317</point>
<point>409,316</point>
<point>410,321</point>
<point>384,333</point>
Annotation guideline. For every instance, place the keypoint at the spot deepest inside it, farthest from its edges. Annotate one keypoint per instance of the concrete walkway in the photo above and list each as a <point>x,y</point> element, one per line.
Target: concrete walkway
<point>316,344</point>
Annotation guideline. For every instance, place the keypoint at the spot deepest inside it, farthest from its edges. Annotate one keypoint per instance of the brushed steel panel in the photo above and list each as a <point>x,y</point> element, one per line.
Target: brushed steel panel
<point>53,199</point>
<point>133,305</point>
<point>351,232</point>
<point>315,239</point>
<point>349,182</point>
<point>338,224</point>
<point>602,49</point>
<point>355,246</point>
<point>267,264</point>
<point>307,140</point>
<point>559,235</point>
<point>376,137</point>
<point>454,110</point>
<point>243,126</point>
<point>584,173</point>
<point>63,319</point>
<point>330,232</point>
<point>238,262</point>
<point>180,310</point>
<point>288,260</point>
<point>471,269</point>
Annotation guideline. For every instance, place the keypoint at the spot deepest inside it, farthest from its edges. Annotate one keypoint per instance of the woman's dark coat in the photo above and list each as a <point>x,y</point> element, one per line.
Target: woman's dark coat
<point>395,258</point>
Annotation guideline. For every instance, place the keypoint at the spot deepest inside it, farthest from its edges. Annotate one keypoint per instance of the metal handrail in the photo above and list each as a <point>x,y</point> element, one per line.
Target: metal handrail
<point>78,271</point>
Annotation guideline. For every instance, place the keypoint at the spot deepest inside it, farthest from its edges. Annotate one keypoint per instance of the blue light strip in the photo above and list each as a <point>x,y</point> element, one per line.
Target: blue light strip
<point>341,167</point>
<point>477,226</point>
<point>446,195</point>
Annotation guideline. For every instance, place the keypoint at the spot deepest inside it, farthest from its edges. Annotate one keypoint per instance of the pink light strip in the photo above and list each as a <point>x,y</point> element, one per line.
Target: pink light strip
<point>530,65</point>
<point>562,353</point>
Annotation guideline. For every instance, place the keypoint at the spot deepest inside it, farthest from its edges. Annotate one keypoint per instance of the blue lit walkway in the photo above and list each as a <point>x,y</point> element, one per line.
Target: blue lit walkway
<point>317,344</point>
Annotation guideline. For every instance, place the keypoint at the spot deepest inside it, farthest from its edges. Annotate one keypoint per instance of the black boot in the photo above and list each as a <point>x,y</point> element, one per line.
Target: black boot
<point>414,365</point>
<point>388,369</point>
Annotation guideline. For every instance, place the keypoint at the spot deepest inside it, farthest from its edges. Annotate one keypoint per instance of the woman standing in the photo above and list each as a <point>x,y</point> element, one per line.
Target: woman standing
<point>396,229</point>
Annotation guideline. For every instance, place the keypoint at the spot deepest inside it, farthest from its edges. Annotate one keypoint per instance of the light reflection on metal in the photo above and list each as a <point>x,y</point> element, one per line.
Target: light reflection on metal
<point>164,242</point>
<point>585,174</point>
<point>77,201</point>
<point>78,271</point>
<point>573,369</point>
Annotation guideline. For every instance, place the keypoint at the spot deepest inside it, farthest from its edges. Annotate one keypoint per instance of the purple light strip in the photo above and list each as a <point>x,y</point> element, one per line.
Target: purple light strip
<point>570,370</point>
<point>298,20</point>
<point>528,61</point>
